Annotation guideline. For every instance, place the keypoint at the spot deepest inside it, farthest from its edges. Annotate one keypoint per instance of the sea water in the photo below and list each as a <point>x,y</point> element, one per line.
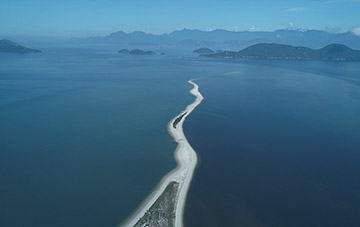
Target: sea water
<point>83,133</point>
<point>83,138</point>
<point>278,144</point>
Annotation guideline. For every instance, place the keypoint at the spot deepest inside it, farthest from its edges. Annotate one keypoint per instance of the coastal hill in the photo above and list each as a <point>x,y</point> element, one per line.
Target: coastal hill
<point>203,51</point>
<point>7,46</point>
<point>136,52</point>
<point>287,52</point>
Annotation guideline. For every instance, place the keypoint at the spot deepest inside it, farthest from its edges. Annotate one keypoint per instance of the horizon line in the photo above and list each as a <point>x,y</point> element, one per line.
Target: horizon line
<point>5,36</point>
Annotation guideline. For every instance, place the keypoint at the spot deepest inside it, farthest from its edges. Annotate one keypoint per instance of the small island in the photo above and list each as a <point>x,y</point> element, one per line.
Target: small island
<point>124,51</point>
<point>7,46</point>
<point>136,52</point>
<point>203,51</point>
<point>275,51</point>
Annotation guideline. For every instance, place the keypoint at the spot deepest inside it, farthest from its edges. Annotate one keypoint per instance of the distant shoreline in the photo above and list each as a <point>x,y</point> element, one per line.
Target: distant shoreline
<point>276,51</point>
<point>186,159</point>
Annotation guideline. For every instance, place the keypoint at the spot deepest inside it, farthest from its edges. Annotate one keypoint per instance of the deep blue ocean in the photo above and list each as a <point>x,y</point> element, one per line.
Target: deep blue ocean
<point>83,138</point>
<point>279,145</point>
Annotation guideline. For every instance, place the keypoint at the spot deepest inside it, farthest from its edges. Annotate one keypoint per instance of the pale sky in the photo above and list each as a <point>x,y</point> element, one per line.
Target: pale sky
<point>80,18</point>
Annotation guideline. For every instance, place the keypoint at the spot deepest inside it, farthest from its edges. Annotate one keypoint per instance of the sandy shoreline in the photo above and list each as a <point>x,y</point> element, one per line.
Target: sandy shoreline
<point>186,162</point>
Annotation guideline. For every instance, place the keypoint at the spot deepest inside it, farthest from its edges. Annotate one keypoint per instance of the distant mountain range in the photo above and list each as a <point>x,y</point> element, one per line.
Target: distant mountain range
<point>287,52</point>
<point>222,39</point>
<point>7,46</point>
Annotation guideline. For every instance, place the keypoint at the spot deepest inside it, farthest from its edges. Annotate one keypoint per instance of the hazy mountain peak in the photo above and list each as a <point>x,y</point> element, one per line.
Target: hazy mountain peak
<point>118,33</point>
<point>8,41</point>
<point>224,39</point>
<point>8,46</point>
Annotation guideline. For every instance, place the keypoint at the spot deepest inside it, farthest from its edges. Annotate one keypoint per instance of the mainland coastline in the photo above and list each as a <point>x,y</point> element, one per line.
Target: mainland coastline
<point>179,179</point>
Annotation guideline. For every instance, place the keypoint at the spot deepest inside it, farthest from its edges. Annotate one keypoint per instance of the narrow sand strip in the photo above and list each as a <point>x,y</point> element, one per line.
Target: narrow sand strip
<point>186,162</point>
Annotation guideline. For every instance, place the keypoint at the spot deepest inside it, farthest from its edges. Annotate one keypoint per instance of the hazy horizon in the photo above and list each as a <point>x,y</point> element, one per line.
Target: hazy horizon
<point>9,36</point>
<point>69,19</point>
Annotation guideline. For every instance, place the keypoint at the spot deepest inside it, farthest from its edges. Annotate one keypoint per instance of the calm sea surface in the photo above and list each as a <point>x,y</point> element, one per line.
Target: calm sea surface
<point>83,133</point>
<point>83,138</point>
<point>279,145</point>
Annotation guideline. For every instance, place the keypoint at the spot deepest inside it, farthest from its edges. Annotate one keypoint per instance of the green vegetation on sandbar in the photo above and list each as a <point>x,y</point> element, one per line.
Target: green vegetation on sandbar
<point>177,120</point>
<point>162,212</point>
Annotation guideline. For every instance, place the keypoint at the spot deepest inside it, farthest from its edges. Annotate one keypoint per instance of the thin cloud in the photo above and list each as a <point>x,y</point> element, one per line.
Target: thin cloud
<point>298,9</point>
<point>330,2</point>
<point>338,1</point>
<point>333,29</point>
<point>356,31</point>
<point>252,28</point>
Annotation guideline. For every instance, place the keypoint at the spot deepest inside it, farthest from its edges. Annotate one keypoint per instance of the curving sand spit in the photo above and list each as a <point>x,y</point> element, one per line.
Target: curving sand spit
<point>186,162</point>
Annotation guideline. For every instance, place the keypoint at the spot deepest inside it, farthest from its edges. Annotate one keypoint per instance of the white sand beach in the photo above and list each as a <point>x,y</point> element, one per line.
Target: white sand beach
<point>186,162</point>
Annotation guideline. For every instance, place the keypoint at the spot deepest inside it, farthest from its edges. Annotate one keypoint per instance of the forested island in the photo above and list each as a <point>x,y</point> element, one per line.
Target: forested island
<point>203,51</point>
<point>286,52</point>
<point>136,52</point>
